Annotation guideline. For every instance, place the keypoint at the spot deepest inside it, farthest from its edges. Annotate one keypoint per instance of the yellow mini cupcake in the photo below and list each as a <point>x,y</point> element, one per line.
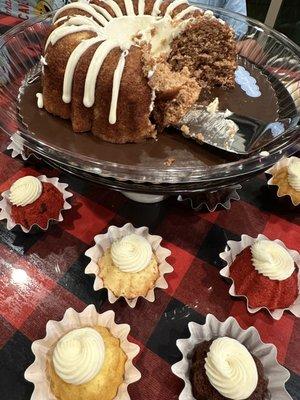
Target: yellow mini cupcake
<point>86,364</point>
<point>129,262</point>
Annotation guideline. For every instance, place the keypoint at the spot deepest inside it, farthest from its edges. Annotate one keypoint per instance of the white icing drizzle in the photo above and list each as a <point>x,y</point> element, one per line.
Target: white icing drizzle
<point>156,8</point>
<point>115,7</point>
<point>116,88</point>
<point>129,7</point>
<point>40,100</point>
<point>63,31</point>
<point>186,11</point>
<point>84,7</point>
<point>116,31</point>
<point>94,68</point>
<point>171,7</point>
<point>102,10</point>
<point>141,7</point>
<point>71,65</point>
<point>62,19</point>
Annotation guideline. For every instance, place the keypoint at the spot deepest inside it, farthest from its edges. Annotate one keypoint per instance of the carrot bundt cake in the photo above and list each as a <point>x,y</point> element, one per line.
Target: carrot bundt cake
<point>124,69</point>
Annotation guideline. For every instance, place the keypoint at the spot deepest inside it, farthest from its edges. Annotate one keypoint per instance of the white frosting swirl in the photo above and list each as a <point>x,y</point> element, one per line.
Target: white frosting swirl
<point>79,355</point>
<point>231,369</point>
<point>25,191</point>
<point>294,174</point>
<point>272,260</point>
<point>132,253</point>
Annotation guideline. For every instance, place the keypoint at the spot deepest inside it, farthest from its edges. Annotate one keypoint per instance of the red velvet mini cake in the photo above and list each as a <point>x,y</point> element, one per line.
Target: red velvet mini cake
<point>266,274</point>
<point>34,202</point>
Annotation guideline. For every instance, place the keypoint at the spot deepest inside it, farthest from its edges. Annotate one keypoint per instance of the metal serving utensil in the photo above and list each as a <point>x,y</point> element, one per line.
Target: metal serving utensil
<point>231,132</point>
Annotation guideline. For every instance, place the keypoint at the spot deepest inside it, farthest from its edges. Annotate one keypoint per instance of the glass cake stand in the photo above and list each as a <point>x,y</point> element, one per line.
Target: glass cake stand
<point>198,168</point>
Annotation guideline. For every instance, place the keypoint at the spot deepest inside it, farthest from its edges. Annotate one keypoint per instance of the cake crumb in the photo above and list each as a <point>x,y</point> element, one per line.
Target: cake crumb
<point>169,162</point>
<point>200,137</point>
<point>185,129</point>
<point>213,107</point>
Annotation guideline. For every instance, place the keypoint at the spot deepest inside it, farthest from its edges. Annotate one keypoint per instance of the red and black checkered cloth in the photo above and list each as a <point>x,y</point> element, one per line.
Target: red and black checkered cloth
<point>54,263</point>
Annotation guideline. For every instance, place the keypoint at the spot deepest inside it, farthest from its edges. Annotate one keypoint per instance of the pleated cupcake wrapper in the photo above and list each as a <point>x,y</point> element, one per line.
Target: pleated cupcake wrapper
<point>229,255</point>
<point>197,205</point>
<point>42,349</point>
<point>105,241</point>
<point>17,148</point>
<point>276,374</point>
<point>5,205</point>
<point>284,162</point>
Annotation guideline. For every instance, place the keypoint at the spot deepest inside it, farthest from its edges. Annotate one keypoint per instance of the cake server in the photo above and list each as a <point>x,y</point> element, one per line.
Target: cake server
<point>231,132</point>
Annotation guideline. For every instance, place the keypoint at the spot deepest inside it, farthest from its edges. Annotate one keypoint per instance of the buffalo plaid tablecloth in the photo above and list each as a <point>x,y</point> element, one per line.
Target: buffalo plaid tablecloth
<point>54,264</point>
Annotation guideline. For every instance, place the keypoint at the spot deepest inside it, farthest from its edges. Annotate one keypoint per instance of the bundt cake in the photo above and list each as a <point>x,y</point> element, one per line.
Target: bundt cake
<point>124,69</point>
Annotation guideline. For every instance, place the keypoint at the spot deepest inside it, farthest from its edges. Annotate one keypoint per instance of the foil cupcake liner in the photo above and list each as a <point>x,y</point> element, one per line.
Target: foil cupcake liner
<point>284,162</point>
<point>233,249</point>
<point>197,201</point>
<point>105,241</point>
<point>36,372</point>
<point>275,373</point>
<point>5,206</point>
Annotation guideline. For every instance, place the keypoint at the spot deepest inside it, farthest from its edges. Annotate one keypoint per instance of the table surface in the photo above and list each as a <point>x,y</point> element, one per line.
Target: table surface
<point>54,264</point>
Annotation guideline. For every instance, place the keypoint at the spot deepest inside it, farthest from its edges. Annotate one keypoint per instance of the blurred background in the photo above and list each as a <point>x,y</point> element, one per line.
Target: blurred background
<point>283,15</point>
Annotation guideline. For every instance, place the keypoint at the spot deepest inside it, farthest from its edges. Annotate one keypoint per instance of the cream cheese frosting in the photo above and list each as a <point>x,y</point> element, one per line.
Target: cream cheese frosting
<point>79,355</point>
<point>272,260</point>
<point>294,173</point>
<point>132,253</point>
<point>231,369</point>
<point>25,191</point>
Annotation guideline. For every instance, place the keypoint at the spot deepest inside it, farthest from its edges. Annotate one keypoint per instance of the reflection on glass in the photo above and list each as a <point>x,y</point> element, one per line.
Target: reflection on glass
<point>19,276</point>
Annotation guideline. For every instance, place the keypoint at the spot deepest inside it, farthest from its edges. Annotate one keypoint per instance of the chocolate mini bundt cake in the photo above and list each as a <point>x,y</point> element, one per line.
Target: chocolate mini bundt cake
<point>124,69</point>
<point>204,390</point>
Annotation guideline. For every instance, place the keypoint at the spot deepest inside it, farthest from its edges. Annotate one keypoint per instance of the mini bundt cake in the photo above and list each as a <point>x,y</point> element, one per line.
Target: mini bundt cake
<point>124,68</point>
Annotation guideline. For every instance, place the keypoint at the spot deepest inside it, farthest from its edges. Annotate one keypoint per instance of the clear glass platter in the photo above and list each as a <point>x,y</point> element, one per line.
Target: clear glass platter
<point>20,51</point>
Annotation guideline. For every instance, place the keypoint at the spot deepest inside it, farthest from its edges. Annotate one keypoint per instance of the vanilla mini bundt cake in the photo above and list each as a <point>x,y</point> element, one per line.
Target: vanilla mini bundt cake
<point>124,69</point>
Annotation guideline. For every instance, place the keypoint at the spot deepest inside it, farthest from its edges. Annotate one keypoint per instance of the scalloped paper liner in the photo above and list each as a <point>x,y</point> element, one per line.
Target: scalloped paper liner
<point>276,374</point>
<point>284,162</point>
<point>233,196</point>
<point>233,249</point>
<point>105,241</point>
<point>17,148</point>
<point>36,372</point>
<point>5,205</point>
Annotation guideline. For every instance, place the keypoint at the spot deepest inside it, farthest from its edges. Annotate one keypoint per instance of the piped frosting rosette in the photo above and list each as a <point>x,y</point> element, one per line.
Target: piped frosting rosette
<point>260,261</point>
<point>70,324</point>
<point>29,192</point>
<point>213,329</point>
<point>115,235</point>
<point>293,176</point>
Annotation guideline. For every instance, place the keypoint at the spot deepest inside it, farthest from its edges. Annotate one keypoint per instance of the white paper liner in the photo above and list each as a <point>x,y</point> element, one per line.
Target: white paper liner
<point>196,206</point>
<point>284,162</point>
<point>5,206</point>
<point>105,241</point>
<point>18,148</point>
<point>234,248</point>
<point>276,374</point>
<point>36,372</point>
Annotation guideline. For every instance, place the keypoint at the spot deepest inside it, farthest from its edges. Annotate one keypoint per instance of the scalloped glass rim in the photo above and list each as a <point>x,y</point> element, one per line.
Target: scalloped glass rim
<point>189,173</point>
